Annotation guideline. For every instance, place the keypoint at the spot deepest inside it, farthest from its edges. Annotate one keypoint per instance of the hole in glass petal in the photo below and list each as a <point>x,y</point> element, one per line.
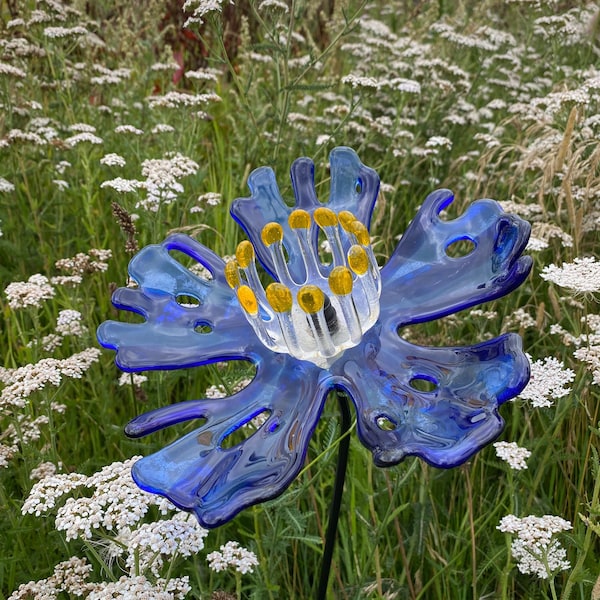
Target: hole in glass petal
<point>385,423</point>
<point>460,248</point>
<point>245,430</point>
<point>358,186</point>
<point>324,247</point>
<point>187,301</point>
<point>423,383</point>
<point>202,328</point>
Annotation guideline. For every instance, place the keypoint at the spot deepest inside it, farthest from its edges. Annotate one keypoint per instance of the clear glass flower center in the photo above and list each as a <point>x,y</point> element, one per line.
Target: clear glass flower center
<point>315,319</point>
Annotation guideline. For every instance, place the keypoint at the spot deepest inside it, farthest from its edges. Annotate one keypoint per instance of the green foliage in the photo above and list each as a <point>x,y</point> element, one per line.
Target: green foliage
<point>487,98</point>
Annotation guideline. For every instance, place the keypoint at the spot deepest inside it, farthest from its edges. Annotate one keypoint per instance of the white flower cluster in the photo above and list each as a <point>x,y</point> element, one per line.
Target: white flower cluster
<point>437,141</point>
<point>138,587</point>
<point>580,276</point>
<point>116,502</point>
<point>85,136</point>
<point>535,548</point>
<point>92,262</point>
<point>68,322</point>
<point>206,74</point>
<point>589,346</point>
<point>208,199</point>
<point>113,160</point>
<point>23,427</point>
<point>128,129</point>
<point>170,66</point>
<point>32,292</point>
<point>519,318</point>
<point>7,69</point>
<point>542,233</point>
<point>61,32</point>
<point>273,5</point>
<point>232,555</point>
<point>162,179</point>
<point>215,392</point>
<point>151,544</point>
<point>23,381</point>
<point>45,469</point>
<point>201,8</point>
<point>123,186</point>
<point>547,382</point>
<point>178,99</point>
<point>6,186</point>
<point>219,391</point>
<point>513,454</point>
<point>134,379</point>
<point>109,76</point>
<point>71,578</point>
<point>82,127</point>
<point>163,128</point>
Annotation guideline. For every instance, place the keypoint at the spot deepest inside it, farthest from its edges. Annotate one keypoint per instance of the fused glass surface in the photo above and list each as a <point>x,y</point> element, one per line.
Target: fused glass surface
<point>440,404</point>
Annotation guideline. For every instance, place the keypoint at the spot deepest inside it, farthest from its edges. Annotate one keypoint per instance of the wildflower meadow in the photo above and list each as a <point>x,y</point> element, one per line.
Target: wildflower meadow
<point>123,123</point>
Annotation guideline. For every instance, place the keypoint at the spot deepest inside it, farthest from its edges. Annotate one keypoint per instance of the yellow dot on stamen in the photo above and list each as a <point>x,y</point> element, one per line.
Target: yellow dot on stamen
<point>361,232</point>
<point>358,259</point>
<point>271,233</point>
<point>346,219</point>
<point>232,274</point>
<point>299,219</point>
<point>244,254</point>
<point>311,299</point>
<point>247,299</point>
<point>340,281</point>
<point>279,297</point>
<point>325,217</point>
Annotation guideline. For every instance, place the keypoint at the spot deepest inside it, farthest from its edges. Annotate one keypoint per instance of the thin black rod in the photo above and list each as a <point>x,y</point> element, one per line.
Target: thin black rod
<point>334,509</point>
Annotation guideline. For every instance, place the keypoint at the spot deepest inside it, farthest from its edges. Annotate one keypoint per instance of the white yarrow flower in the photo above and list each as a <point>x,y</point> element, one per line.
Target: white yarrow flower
<point>580,276</point>
<point>536,550</point>
<point>32,292</point>
<point>69,323</point>
<point>232,555</point>
<point>513,454</point>
<point>547,382</point>
<point>113,160</point>
<point>6,186</point>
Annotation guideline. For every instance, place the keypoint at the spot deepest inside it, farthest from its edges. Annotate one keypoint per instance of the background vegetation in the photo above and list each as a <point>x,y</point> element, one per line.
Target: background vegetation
<point>490,99</point>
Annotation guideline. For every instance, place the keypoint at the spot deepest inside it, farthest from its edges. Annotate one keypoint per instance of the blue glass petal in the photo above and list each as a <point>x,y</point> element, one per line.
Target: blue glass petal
<point>175,336</point>
<point>354,187</point>
<point>446,425</point>
<point>422,282</point>
<point>198,474</point>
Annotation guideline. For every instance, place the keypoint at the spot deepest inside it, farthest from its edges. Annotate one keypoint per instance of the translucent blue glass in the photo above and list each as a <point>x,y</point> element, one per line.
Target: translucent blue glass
<point>440,404</point>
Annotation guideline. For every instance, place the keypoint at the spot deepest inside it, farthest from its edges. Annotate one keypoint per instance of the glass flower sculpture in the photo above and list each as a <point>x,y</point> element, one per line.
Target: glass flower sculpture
<point>319,327</point>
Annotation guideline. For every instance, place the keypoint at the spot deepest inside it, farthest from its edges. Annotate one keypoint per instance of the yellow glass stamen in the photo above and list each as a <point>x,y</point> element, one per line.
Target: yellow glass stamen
<point>232,274</point>
<point>340,281</point>
<point>311,299</point>
<point>346,219</point>
<point>358,259</point>
<point>299,219</point>
<point>279,297</point>
<point>361,232</point>
<point>271,233</point>
<point>247,300</point>
<point>325,217</point>
<point>244,254</point>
